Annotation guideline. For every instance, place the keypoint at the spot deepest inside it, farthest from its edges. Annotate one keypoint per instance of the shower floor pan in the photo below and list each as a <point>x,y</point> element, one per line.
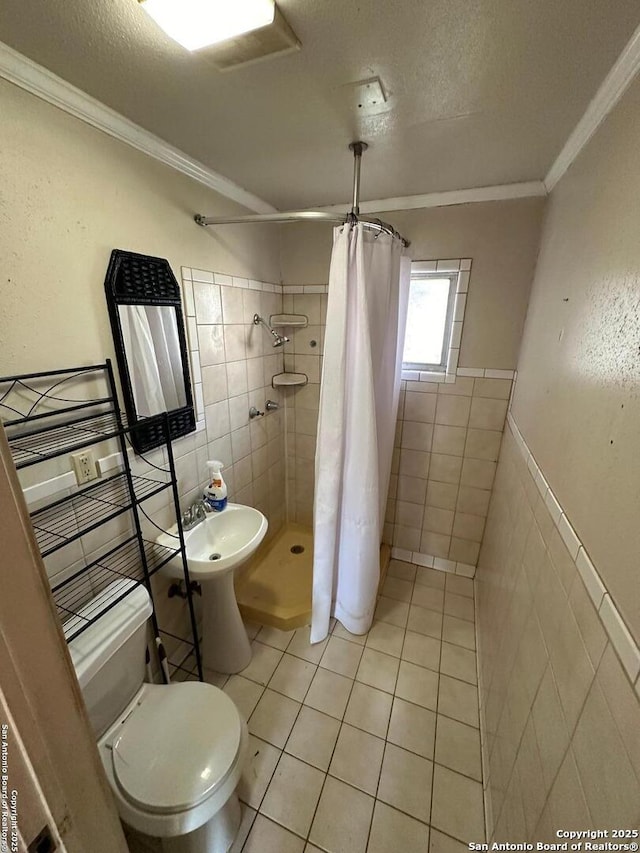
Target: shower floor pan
<point>275,588</point>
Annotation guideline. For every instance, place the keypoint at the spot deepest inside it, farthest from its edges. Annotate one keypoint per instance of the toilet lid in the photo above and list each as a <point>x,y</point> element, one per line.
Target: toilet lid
<point>177,747</point>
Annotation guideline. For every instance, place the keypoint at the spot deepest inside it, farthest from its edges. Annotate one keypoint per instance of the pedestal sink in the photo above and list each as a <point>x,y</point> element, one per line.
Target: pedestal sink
<point>215,548</point>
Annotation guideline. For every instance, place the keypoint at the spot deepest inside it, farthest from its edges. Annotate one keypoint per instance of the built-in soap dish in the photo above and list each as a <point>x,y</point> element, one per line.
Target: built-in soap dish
<point>281,379</point>
<point>300,320</point>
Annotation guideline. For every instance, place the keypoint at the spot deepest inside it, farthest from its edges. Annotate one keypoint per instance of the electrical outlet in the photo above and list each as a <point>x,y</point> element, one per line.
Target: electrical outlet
<point>84,466</point>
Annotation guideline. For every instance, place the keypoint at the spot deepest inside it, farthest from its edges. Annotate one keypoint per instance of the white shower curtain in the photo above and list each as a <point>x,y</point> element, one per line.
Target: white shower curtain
<point>366,318</point>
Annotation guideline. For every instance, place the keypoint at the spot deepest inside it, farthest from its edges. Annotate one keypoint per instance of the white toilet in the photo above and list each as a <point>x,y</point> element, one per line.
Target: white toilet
<point>173,753</point>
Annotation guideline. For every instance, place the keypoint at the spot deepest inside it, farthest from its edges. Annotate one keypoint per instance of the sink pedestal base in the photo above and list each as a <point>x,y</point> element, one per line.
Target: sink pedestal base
<point>225,645</point>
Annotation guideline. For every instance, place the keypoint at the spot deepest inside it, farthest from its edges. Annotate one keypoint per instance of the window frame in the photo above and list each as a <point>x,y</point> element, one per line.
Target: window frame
<point>418,274</point>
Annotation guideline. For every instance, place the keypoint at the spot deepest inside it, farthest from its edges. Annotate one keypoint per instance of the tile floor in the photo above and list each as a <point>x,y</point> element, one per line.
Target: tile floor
<point>366,743</point>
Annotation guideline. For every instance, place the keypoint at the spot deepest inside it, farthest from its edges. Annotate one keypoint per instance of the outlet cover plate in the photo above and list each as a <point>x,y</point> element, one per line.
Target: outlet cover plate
<point>84,466</point>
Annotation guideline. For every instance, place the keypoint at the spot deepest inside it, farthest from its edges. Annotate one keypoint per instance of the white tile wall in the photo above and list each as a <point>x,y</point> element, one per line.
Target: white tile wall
<point>232,363</point>
<point>618,633</point>
<point>447,443</point>
<point>426,446</point>
<point>557,668</point>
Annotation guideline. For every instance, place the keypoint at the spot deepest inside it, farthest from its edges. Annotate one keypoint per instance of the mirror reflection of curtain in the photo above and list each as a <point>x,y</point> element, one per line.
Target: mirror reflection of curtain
<point>153,353</point>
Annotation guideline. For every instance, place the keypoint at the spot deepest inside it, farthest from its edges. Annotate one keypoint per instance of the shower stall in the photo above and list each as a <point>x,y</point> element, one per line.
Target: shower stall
<point>276,587</point>
<point>340,423</point>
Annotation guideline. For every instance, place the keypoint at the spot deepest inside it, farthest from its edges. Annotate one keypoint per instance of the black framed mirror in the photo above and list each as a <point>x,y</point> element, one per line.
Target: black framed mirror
<point>145,310</point>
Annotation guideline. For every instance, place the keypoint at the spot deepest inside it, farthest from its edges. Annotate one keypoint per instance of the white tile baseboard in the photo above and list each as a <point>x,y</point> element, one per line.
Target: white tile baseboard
<point>431,562</point>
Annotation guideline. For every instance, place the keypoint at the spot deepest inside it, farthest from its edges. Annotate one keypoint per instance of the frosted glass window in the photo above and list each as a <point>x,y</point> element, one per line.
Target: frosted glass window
<point>429,321</point>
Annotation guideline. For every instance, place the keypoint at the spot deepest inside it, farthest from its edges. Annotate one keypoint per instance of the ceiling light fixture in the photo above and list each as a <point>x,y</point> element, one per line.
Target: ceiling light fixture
<point>199,23</point>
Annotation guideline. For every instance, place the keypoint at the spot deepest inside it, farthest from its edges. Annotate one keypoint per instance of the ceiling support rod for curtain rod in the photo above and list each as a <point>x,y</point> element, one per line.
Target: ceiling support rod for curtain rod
<point>314,215</point>
<point>358,149</point>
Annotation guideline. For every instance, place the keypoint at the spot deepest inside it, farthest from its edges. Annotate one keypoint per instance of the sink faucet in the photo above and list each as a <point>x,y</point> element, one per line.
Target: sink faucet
<point>194,515</point>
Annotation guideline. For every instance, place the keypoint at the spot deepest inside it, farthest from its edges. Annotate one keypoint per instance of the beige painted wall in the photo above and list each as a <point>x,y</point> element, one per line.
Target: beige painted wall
<point>576,399</point>
<point>70,195</point>
<point>501,237</point>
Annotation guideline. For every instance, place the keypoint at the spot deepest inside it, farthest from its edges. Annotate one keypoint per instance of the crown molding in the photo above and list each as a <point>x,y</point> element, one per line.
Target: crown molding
<point>611,90</point>
<point>42,83</point>
<point>499,192</point>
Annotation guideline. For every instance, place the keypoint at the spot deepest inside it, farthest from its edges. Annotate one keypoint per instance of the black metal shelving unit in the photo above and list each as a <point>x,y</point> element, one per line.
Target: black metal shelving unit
<point>43,422</point>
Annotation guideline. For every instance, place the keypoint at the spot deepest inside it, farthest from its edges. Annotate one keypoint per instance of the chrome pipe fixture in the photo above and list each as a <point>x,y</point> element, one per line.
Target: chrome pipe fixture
<point>279,339</point>
<point>358,149</point>
<point>271,406</point>
<point>255,413</point>
<point>352,217</point>
<point>287,216</point>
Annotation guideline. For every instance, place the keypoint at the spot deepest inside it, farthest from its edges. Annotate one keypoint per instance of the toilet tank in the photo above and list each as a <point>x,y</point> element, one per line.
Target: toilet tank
<point>109,655</point>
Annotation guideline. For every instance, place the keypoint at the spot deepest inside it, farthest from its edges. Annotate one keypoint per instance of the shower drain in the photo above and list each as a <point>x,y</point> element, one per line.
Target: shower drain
<point>215,556</point>
<point>297,549</point>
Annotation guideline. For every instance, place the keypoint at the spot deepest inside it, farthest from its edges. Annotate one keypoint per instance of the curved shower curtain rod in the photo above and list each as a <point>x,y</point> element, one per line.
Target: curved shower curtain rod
<point>352,217</point>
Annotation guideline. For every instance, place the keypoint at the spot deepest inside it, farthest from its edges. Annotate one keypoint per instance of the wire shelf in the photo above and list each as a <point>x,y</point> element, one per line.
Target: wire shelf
<point>75,515</point>
<point>53,413</point>
<point>48,414</point>
<point>86,589</point>
<point>29,449</point>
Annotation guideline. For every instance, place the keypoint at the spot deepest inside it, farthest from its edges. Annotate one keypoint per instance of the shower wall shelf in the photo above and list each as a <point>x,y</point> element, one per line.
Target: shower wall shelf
<point>288,379</point>
<point>43,421</point>
<point>299,320</point>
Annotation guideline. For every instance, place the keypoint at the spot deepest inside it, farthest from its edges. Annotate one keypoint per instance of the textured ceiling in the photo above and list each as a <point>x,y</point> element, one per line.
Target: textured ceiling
<point>480,92</point>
